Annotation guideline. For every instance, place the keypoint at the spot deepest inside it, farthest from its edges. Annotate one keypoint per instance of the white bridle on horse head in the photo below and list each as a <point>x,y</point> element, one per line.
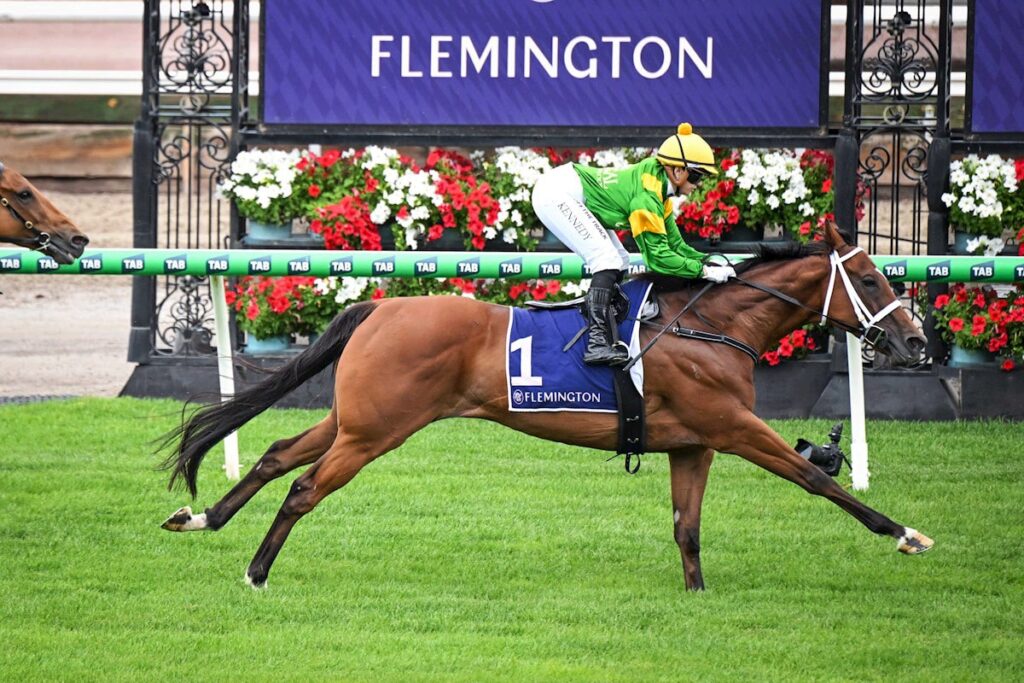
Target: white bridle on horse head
<point>866,319</point>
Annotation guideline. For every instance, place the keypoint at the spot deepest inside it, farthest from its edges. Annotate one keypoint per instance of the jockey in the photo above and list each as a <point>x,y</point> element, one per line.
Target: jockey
<point>581,206</point>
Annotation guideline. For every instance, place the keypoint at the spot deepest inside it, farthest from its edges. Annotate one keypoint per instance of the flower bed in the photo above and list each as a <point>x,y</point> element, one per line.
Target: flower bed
<point>980,319</point>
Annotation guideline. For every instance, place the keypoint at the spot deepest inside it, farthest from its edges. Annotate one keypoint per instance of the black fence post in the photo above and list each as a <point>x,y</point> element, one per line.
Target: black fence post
<point>140,340</point>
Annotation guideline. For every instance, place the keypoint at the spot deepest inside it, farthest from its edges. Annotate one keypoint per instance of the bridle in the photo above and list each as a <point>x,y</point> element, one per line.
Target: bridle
<point>40,240</point>
<point>867,329</point>
<point>867,322</point>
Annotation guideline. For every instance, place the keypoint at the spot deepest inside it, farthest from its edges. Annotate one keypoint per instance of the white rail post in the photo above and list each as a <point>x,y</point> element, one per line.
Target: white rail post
<point>858,427</point>
<point>225,368</point>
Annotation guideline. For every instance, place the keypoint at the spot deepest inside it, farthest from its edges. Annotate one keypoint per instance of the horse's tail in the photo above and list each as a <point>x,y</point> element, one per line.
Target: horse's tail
<point>208,425</point>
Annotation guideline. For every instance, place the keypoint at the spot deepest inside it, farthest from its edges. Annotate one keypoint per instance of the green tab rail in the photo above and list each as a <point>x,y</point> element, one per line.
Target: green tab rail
<point>556,266</point>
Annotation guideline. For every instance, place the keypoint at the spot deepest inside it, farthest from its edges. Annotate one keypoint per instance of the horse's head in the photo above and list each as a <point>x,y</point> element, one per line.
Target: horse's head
<point>861,298</point>
<point>29,219</point>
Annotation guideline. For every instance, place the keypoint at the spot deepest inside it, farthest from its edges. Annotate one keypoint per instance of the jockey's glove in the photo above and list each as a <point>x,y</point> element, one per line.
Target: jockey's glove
<point>717,273</point>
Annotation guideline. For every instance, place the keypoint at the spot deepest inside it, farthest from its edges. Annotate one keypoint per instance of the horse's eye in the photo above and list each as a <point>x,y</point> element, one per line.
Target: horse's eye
<point>869,281</point>
<point>25,195</point>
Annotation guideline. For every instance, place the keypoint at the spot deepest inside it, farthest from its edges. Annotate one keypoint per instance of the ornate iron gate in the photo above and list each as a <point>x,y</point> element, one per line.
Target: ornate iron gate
<point>195,99</point>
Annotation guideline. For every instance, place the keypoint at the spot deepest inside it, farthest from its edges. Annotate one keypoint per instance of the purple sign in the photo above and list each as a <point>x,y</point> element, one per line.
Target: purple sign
<point>998,79</point>
<point>543,62</point>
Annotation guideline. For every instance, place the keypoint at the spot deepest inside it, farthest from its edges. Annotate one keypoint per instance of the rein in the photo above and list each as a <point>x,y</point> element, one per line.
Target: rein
<point>867,329</point>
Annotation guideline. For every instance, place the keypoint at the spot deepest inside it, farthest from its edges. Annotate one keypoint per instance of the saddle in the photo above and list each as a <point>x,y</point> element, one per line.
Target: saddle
<point>632,440</point>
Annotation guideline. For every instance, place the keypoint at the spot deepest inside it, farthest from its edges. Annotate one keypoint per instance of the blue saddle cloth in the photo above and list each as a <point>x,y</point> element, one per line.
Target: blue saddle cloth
<point>540,376</point>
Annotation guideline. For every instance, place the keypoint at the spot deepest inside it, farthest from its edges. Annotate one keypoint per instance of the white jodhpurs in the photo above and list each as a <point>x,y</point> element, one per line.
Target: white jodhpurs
<point>558,202</point>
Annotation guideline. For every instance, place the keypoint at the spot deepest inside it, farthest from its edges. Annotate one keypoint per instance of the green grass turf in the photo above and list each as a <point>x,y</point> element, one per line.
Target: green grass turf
<point>475,553</point>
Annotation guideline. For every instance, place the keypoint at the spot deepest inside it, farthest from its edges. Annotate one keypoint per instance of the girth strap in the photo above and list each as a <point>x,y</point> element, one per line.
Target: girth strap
<point>700,335</point>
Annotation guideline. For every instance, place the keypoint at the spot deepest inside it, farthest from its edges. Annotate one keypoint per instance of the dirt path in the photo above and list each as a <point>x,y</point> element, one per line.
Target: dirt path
<point>68,334</point>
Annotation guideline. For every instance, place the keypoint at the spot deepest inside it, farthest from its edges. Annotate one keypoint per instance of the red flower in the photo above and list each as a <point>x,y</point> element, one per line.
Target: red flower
<point>772,357</point>
<point>979,300</point>
<point>517,289</point>
<point>1019,165</point>
<point>329,158</point>
<point>805,228</point>
<point>230,296</point>
<point>826,186</point>
<point>941,300</point>
<point>435,232</point>
<point>253,310</point>
<point>314,190</point>
<point>478,242</point>
<point>1008,363</point>
<point>956,324</point>
<point>727,163</point>
<point>378,294</point>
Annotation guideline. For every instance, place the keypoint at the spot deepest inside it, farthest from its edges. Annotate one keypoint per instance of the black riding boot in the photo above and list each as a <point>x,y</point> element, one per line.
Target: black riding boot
<point>600,350</point>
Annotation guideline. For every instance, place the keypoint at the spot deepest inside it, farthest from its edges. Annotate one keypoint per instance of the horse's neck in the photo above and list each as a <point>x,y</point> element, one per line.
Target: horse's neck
<point>760,319</point>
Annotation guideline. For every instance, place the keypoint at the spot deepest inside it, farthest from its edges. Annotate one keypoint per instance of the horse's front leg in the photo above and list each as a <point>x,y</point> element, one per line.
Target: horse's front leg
<point>689,472</point>
<point>758,443</point>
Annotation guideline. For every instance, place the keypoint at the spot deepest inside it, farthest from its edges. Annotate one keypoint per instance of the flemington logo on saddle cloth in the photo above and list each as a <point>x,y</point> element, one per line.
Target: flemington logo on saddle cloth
<point>540,376</point>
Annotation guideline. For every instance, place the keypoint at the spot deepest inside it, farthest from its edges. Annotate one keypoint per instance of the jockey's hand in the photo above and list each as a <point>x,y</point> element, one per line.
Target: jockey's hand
<point>717,273</point>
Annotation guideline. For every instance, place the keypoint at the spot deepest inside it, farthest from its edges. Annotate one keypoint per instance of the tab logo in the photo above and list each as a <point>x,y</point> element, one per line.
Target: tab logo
<point>513,267</point>
<point>637,267</point>
<point>91,264</point>
<point>587,270</point>
<point>551,268</point>
<point>133,264</point>
<point>983,271</point>
<point>938,271</point>
<point>470,267</point>
<point>427,266</point>
<point>259,266</point>
<point>384,266</point>
<point>176,264</point>
<point>1018,273</point>
<point>46,264</point>
<point>341,266</point>
<point>299,266</point>
<point>895,270</point>
<point>217,264</point>
<point>10,262</point>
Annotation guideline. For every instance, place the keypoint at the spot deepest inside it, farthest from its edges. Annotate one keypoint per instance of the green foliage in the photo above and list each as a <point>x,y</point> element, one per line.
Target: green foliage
<point>475,553</point>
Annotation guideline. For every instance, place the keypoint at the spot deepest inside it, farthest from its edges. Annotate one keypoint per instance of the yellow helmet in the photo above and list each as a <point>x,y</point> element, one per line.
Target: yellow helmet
<point>689,150</point>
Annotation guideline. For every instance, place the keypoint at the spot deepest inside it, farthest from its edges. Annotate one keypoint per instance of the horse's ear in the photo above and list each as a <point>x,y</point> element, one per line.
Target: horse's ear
<point>834,236</point>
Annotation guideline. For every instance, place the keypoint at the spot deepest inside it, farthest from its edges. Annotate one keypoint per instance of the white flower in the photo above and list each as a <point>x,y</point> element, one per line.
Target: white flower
<point>575,289</point>
<point>994,247</point>
<point>772,202</point>
<point>973,244</point>
<point>509,235</point>
<point>753,197</point>
<point>806,209</point>
<point>381,213</point>
<point>948,198</point>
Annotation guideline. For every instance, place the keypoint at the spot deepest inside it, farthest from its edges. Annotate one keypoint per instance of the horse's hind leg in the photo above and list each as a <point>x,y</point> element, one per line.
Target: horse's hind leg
<point>689,471</point>
<point>338,466</point>
<point>757,442</point>
<point>282,457</point>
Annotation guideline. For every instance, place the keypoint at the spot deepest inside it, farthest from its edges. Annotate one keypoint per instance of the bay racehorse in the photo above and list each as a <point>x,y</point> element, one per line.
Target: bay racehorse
<point>404,363</point>
<point>28,219</point>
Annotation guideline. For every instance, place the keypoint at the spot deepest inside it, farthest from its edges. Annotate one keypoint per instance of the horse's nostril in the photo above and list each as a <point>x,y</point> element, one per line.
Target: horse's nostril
<point>80,241</point>
<point>916,345</point>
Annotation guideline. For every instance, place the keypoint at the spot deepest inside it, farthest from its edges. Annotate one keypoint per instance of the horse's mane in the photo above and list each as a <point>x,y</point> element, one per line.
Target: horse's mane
<point>763,252</point>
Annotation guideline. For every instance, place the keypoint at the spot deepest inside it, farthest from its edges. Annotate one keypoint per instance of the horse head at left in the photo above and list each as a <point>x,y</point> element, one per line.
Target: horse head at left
<point>28,219</point>
<point>864,300</point>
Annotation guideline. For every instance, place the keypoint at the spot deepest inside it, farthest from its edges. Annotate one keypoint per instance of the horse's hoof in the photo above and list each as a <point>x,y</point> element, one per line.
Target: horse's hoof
<point>256,584</point>
<point>184,520</point>
<point>913,542</point>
